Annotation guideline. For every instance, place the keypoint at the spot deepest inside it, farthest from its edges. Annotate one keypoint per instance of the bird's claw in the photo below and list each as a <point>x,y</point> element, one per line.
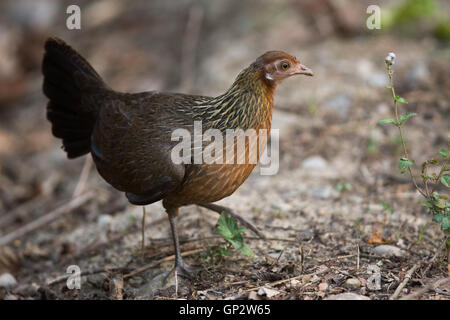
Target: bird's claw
<point>183,270</point>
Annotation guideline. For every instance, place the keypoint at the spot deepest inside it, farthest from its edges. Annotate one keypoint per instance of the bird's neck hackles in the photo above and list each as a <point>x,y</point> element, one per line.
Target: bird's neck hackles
<point>247,104</point>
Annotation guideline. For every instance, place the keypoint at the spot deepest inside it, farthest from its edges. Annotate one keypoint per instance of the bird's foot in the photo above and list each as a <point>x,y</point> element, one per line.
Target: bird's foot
<point>182,269</point>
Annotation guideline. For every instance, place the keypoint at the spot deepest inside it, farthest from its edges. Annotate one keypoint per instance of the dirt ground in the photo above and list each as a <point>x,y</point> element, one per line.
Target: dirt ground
<point>322,212</point>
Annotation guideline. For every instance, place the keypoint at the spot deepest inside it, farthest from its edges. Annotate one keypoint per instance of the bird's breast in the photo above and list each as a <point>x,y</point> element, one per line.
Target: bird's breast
<point>210,182</point>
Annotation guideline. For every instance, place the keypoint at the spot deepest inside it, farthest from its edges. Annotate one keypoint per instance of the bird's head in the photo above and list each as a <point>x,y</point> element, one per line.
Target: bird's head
<point>279,65</point>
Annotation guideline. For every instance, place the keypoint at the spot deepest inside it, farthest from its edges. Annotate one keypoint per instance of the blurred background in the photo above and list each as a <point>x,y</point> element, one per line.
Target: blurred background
<point>335,161</point>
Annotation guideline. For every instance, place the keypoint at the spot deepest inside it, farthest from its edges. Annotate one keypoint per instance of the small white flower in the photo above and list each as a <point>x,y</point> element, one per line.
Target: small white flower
<point>390,58</point>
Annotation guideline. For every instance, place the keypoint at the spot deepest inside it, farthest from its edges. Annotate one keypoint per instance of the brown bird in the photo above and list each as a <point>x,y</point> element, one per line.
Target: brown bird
<point>129,134</point>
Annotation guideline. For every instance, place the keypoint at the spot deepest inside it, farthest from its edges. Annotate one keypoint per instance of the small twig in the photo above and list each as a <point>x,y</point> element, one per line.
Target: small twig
<point>421,291</point>
<point>302,256</point>
<point>278,258</point>
<point>337,258</point>
<point>21,210</point>
<point>358,257</point>
<point>408,276</point>
<point>120,236</point>
<point>221,237</point>
<point>236,282</point>
<point>275,283</point>
<point>48,218</point>
<point>433,259</point>
<point>83,177</point>
<point>85,273</point>
<point>176,283</point>
<point>154,264</point>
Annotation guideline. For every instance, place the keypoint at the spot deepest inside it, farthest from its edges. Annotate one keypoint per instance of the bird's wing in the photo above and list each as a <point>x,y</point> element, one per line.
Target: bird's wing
<point>131,145</point>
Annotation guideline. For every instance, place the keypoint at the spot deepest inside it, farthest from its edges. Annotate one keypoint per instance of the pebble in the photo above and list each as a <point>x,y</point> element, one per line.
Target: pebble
<point>135,281</point>
<point>295,283</point>
<point>323,286</point>
<point>274,255</point>
<point>269,293</point>
<point>104,220</point>
<point>347,296</point>
<point>321,192</point>
<point>97,280</point>
<point>305,235</point>
<point>352,283</point>
<point>277,246</point>
<point>253,296</point>
<point>388,251</point>
<point>314,162</point>
<point>283,207</point>
<point>7,281</point>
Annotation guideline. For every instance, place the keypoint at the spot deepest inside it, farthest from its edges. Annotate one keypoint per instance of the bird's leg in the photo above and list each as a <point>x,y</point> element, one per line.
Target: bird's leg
<point>243,221</point>
<point>182,268</point>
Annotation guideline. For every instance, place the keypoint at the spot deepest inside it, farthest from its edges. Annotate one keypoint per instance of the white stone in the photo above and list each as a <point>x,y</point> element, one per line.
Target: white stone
<point>314,162</point>
<point>388,251</point>
<point>7,281</point>
<point>269,293</point>
<point>347,296</point>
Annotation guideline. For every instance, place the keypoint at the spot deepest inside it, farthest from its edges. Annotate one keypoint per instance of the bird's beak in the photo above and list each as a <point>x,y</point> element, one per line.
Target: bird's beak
<point>301,69</point>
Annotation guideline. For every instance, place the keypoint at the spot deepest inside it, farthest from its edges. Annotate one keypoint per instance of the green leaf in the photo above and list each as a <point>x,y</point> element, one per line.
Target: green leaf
<point>428,177</point>
<point>427,204</point>
<point>385,121</point>
<point>440,204</point>
<point>387,207</point>
<point>445,223</point>
<point>247,251</point>
<point>438,217</point>
<point>405,117</point>
<point>445,179</point>
<point>404,164</point>
<point>446,168</point>
<point>228,228</point>
<point>443,153</point>
<point>344,186</point>
<point>400,99</point>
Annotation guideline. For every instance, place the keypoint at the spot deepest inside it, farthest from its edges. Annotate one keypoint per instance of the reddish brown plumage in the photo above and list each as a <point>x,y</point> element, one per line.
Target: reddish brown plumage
<point>129,135</point>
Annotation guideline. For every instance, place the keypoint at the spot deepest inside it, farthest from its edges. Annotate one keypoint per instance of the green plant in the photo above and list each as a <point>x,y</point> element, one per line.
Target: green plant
<point>437,204</point>
<point>405,16</point>
<point>232,233</point>
<point>343,186</point>
<point>410,11</point>
<point>387,207</point>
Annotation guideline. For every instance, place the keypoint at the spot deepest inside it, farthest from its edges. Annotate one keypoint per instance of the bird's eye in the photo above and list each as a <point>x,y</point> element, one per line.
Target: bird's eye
<point>284,65</point>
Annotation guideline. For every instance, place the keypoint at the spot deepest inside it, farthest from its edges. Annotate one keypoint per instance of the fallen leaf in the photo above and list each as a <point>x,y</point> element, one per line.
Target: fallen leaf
<point>376,238</point>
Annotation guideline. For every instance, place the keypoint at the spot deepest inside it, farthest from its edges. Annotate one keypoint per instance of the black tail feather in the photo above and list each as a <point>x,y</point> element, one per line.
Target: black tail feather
<point>72,121</point>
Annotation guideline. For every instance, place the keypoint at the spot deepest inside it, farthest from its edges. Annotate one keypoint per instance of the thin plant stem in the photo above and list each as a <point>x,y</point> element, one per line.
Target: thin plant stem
<point>405,152</point>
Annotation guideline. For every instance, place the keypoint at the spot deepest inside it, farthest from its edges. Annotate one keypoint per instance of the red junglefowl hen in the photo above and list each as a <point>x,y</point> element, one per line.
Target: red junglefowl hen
<point>129,135</point>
